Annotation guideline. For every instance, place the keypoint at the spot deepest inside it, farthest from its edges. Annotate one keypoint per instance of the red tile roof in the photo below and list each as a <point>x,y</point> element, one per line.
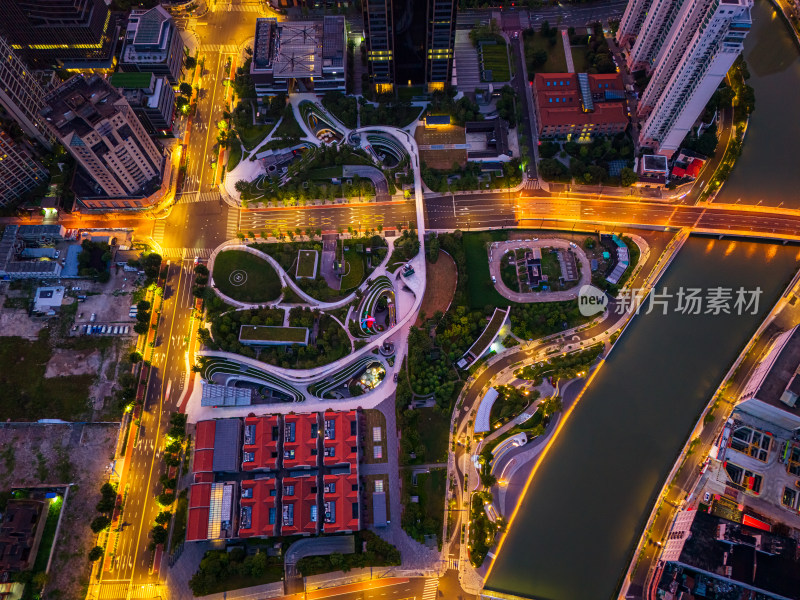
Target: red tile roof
<point>300,443</point>
<point>199,508</point>
<point>303,503</point>
<point>340,437</point>
<point>340,494</point>
<point>261,504</point>
<point>204,435</point>
<point>203,461</point>
<point>559,103</point>
<point>263,446</point>
<point>197,524</point>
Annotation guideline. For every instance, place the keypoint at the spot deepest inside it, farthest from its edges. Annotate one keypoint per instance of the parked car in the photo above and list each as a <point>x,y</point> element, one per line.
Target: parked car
<point>93,318</point>
<point>125,329</point>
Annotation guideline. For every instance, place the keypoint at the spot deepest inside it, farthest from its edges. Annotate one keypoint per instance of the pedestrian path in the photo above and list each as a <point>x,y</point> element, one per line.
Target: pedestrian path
<point>224,48</point>
<point>466,60</point>
<point>532,184</point>
<point>192,197</point>
<point>111,591</point>
<point>158,231</point>
<point>238,8</point>
<point>567,51</point>
<point>181,253</point>
<point>430,590</point>
<point>232,226</point>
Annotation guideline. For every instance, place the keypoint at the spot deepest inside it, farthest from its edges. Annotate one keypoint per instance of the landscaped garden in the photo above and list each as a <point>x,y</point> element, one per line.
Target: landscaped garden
<point>307,263</point>
<point>245,277</point>
<point>494,61</point>
<point>424,517</point>
<point>331,342</point>
<point>392,114</point>
<point>606,159</point>
<point>544,51</point>
<point>371,551</point>
<point>344,108</point>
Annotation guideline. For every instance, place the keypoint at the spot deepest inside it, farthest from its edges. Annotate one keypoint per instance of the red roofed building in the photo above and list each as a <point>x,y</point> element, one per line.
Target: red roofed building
<point>300,435</point>
<point>258,508</point>
<point>340,437</point>
<point>199,508</point>
<point>340,501</point>
<point>300,510</point>
<point>204,451</point>
<point>579,104</point>
<point>260,449</point>
<point>210,511</point>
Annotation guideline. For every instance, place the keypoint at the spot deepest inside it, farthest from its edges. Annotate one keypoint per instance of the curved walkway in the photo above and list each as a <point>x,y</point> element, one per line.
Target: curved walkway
<point>286,280</point>
<point>498,249</point>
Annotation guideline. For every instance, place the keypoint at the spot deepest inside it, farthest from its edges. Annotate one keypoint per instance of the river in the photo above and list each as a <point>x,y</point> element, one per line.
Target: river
<point>767,170</point>
<point>583,514</point>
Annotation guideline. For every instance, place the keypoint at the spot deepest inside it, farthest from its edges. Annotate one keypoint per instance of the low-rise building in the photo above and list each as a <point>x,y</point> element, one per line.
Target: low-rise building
<point>151,97</point>
<point>288,484</point>
<point>306,56</point>
<point>579,106</point>
<point>48,299</point>
<point>153,44</point>
<point>487,140</point>
<point>21,531</point>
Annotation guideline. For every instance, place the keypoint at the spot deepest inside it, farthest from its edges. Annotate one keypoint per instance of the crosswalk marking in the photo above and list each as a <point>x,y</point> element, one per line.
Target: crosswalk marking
<point>186,253</point>
<point>532,184</point>
<point>112,591</point>
<point>158,231</point>
<point>232,227</point>
<point>430,589</point>
<point>224,48</point>
<point>452,563</point>
<point>191,197</point>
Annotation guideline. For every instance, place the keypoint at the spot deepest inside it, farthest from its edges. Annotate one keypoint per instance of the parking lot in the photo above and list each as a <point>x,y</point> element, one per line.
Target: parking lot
<point>110,304</point>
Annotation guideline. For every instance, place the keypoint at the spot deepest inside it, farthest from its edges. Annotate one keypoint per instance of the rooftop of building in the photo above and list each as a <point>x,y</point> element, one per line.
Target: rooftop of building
<point>148,27</point>
<point>780,386</point>
<point>580,98</point>
<point>20,532</point>
<point>80,103</point>
<point>133,80</point>
<point>333,36</point>
<point>748,555</point>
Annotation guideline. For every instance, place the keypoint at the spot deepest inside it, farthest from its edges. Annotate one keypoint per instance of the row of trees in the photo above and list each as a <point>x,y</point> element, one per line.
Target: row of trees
<point>221,566</point>
<point>105,506</point>
<point>469,177</point>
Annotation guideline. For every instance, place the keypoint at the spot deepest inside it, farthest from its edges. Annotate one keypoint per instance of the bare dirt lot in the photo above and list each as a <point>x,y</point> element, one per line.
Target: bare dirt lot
<point>444,158</point>
<point>72,362</point>
<point>78,455</point>
<point>441,278</point>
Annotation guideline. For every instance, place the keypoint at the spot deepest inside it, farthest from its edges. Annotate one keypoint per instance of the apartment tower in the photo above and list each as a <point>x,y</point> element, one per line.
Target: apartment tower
<point>59,33</point>
<point>19,171</point>
<point>704,40</point>
<point>21,95</point>
<point>410,43</point>
<point>99,128</point>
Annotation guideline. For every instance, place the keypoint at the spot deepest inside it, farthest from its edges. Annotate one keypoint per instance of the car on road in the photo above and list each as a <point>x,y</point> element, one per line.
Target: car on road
<point>706,496</point>
<point>196,260</point>
<point>494,279</point>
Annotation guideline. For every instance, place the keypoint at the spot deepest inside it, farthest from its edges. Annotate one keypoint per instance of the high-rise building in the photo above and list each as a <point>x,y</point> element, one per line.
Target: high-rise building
<point>19,172</point>
<point>702,45</point>
<point>631,22</point>
<point>65,33</point>
<point>656,30</point>
<point>21,95</point>
<point>99,128</point>
<point>409,43</point>
<point>153,44</point>
<point>151,97</point>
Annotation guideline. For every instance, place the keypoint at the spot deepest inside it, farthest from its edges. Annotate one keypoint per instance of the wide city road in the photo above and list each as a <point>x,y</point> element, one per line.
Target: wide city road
<point>132,564</point>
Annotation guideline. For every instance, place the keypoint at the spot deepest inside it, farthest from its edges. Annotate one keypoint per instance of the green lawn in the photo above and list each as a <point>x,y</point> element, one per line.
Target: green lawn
<point>579,58</point>
<point>306,263</point>
<point>354,269</point>
<point>234,156</point>
<point>25,393</point>
<point>550,266</point>
<point>495,58</point>
<point>325,173</point>
<point>263,333</point>
<point>434,431</point>
<point>556,60</point>
<point>480,290</point>
<point>253,135</point>
<point>48,535</point>
<point>289,127</point>
<point>261,283</point>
